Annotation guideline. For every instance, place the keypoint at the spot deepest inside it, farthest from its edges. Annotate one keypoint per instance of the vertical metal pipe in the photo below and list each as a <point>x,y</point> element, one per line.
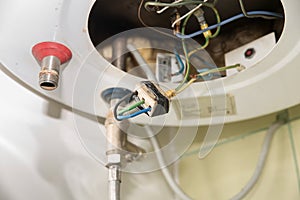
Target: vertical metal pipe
<point>114,182</point>
<point>116,140</point>
<point>118,56</point>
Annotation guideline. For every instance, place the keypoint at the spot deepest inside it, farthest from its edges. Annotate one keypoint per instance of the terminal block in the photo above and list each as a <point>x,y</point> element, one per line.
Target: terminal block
<point>154,97</point>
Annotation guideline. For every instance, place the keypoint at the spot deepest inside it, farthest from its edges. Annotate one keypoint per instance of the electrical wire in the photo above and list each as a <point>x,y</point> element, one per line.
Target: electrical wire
<point>261,162</point>
<point>212,36</point>
<point>187,55</point>
<point>218,21</point>
<point>122,117</point>
<point>215,2</point>
<point>150,75</point>
<point>260,165</point>
<point>220,69</point>
<point>187,70</point>
<point>192,11</point>
<point>167,7</point>
<point>199,48</point>
<point>165,171</point>
<point>294,152</point>
<point>182,36</point>
<point>252,16</point>
<point>200,19</point>
<point>161,4</point>
<point>139,14</point>
<point>131,107</point>
<point>181,3</point>
<point>180,62</point>
<point>208,76</point>
<point>181,89</point>
<point>185,15</point>
<point>127,97</point>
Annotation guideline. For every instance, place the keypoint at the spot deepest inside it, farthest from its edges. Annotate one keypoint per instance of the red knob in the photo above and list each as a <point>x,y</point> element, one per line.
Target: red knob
<point>44,49</point>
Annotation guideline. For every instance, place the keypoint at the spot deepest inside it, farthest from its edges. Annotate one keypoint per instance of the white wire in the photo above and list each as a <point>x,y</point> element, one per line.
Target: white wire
<point>187,14</point>
<point>261,162</point>
<point>165,171</point>
<point>142,63</point>
<point>162,10</point>
<point>167,7</point>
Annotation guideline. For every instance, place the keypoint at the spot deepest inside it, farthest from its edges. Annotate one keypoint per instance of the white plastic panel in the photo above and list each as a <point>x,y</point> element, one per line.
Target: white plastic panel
<point>166,65</point>
<point>260,48</point>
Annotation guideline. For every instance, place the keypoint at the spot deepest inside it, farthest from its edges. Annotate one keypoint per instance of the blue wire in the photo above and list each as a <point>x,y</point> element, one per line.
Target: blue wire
<point>179,60</point>
<point>228,21</point>
<point>122,117</point>
<point>206,77</point>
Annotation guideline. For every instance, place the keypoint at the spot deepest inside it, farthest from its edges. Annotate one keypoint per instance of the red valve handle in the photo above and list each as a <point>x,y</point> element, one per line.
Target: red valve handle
<point>58,50</point>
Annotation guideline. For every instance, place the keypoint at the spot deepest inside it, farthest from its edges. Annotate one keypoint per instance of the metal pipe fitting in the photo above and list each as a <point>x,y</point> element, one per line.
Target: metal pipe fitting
<point>116,138</point>
<point>133,152</point>
<point>49,74</point>
<point>117,142</point>
<point>50,55</point>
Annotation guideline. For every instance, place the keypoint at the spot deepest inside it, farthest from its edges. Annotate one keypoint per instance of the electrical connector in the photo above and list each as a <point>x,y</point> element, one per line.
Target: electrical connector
<point>203,26</point>
<point>154,97</point>
<point>203,23</point>
<point>199,14</point>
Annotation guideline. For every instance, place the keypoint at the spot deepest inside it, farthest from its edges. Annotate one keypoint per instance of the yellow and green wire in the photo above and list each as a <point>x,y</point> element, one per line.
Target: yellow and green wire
<point>187,71</point>
<point>182,88</point>
<point>131,107</point>
<point>188,55</point>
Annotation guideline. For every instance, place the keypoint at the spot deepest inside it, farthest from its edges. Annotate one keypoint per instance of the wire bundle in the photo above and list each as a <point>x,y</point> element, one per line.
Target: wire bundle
<point>203,74</point>
<point>195,9</point>
<point>135,106</point>
<point>186,68</point>
<point>182,36</point>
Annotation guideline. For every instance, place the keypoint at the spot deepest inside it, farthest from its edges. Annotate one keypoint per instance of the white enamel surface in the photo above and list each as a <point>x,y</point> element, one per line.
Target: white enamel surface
<point>267,87</point>
<point>261,46</point>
